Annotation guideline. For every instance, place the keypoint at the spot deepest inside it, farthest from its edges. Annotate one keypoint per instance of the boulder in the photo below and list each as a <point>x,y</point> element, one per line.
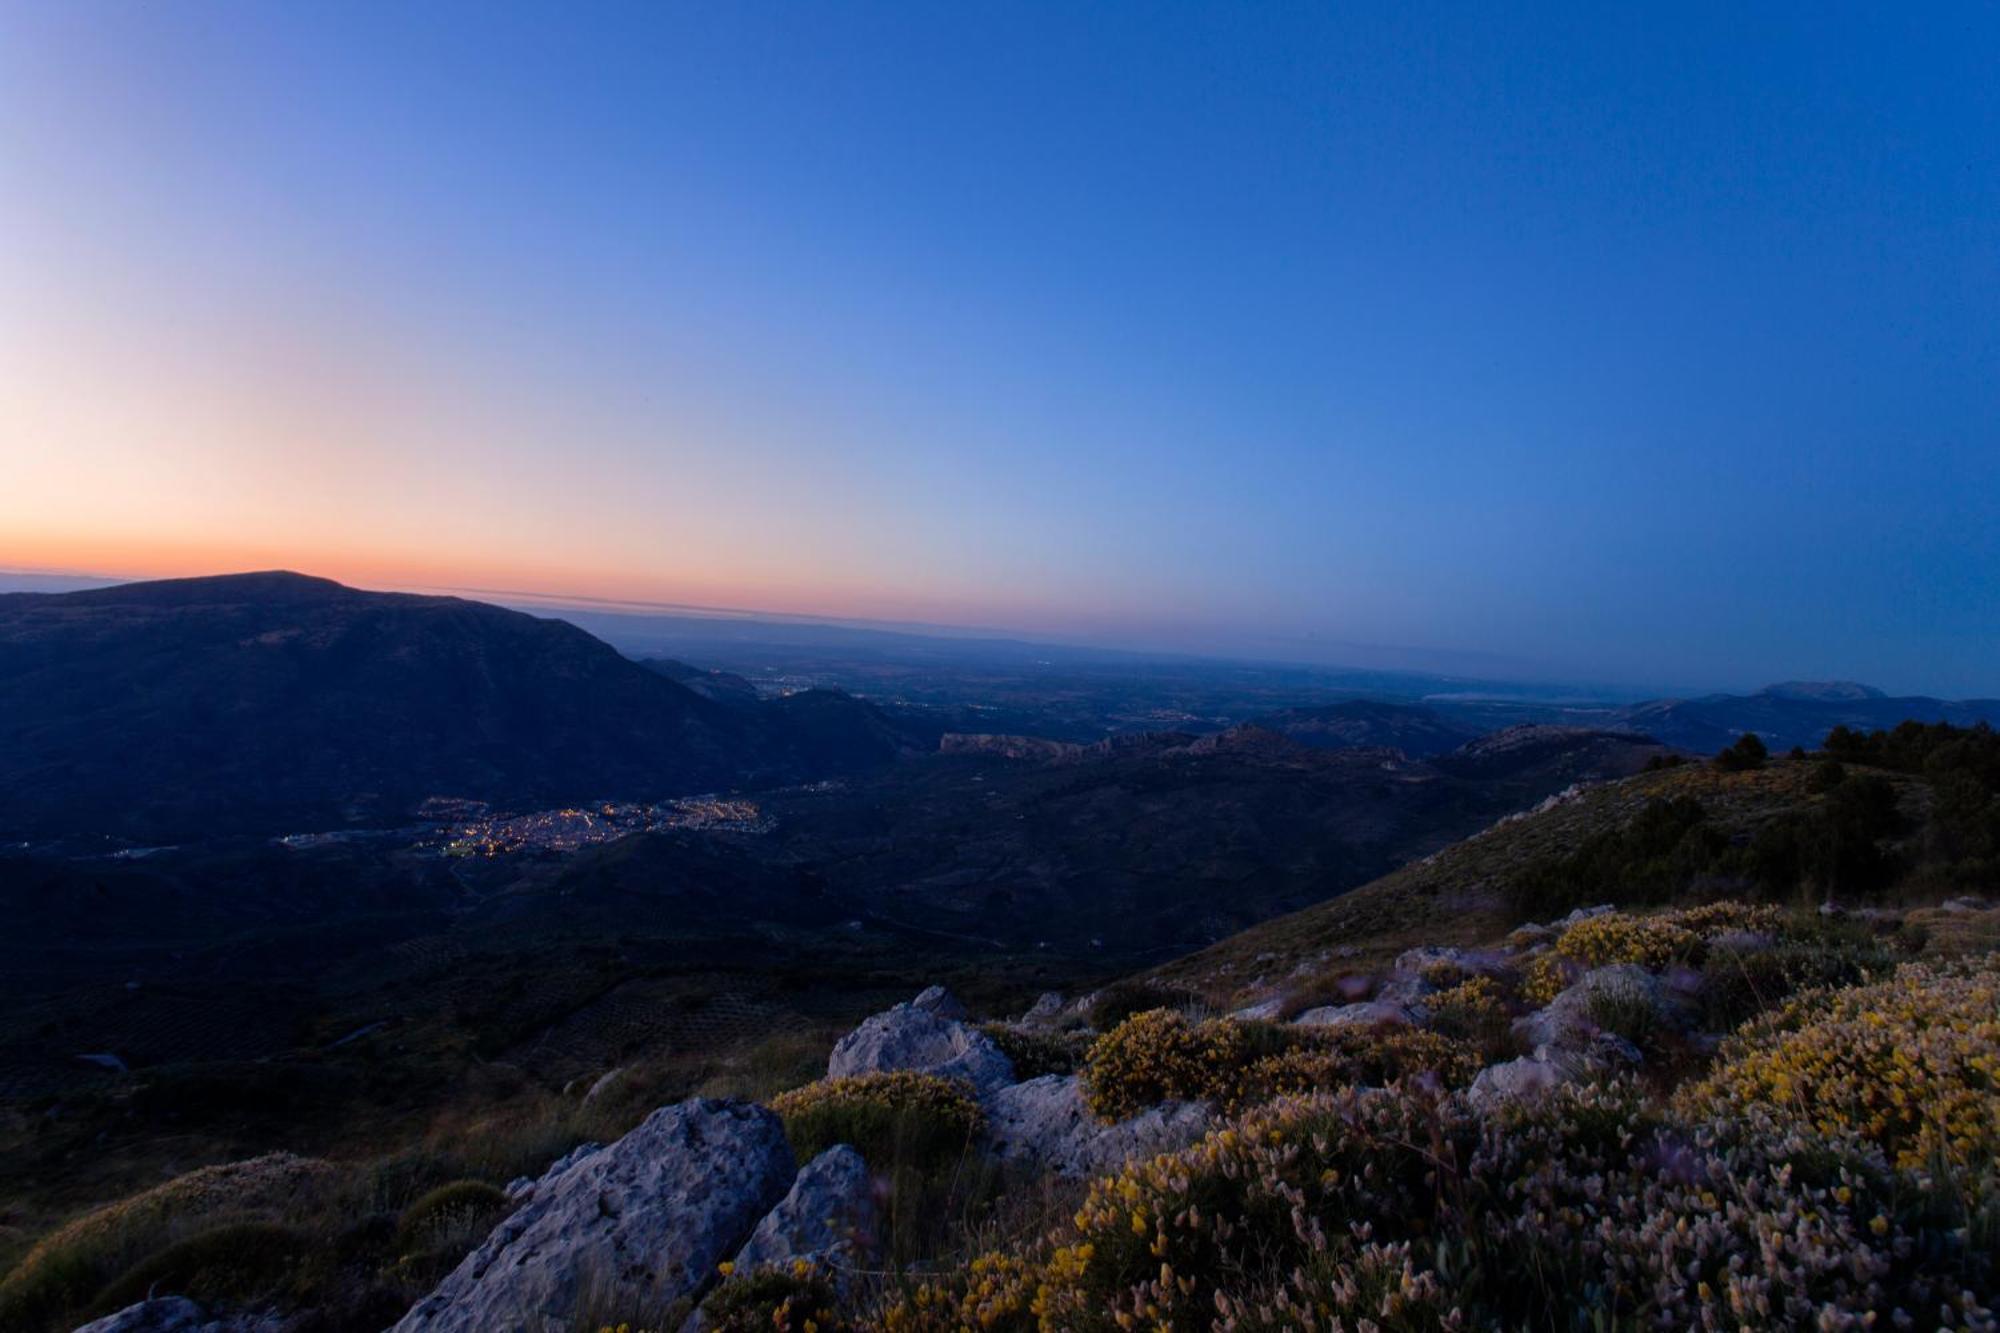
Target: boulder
<point>640,1224</point>
<point>1566,1022</point>
<point>829,1214</point>
<point>1373,1013</point>
<point>1045,1012</point>
<point>178,1314</point>
<point>520,1187</point>
<point>1264,1011</point>
<point>937,1000</point>
<point>1043,1125</point>
<point>1549,1068</point>
<point>921,1036</point>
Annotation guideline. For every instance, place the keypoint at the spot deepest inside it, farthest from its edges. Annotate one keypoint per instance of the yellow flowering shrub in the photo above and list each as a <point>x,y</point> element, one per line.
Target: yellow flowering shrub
<point>887,1116</point>
<point>781,1298</point>
<point>1474,1011</point>
<point>1159,1056</point>
<point>1911,1063</point>
<point>1712,919</point>
<point>1652,942</point>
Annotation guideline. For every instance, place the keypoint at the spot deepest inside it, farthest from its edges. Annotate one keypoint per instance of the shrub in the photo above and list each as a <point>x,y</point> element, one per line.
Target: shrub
<point>794,1298</point>
<point>889,1117</point>
<point>71,1264</point>
<point>241,1263</point>
<point>1747,753</point>
<point>1737,986</point>
<point>450,1217</point>
<point>1159,1056</point>
<point>1651,942</point>
<point>1911,1064</point>
<point>1121,1000</point>
<point>1476,1012</point>
<point>1037,1053</point>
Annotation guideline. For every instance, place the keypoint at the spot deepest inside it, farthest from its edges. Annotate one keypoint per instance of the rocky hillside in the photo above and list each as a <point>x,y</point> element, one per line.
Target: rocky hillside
<point>1566,1108</point>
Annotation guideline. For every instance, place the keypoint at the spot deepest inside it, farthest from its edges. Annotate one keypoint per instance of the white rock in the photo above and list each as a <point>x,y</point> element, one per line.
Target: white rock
<point>937,1000</point>
<point>1043,1125</point>
<point>926,1041</point>
<point>640,1224</point>
<point>1566,1022</point>
<point>178,1314</point>
<point>829,1215</point>
<point>1264,1011</point>
<point>1373,1013</point>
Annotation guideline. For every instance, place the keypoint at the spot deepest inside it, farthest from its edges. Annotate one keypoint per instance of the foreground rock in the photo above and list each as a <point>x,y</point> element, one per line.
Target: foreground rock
<point>178,1314</point>
<point>927,1036</point>
<point>1043,1124</point>
<point>1549,1068</point>
<point>828,1216</point>
<point>1570,1021</point>
<point>637,1225</point>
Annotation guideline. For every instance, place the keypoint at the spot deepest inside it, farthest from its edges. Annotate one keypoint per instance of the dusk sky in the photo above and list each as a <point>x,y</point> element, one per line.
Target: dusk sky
<point>1605,343</point>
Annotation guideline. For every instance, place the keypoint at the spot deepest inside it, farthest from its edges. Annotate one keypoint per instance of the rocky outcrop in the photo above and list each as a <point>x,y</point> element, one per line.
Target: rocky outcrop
<point>829,1215</point>
<point>178,1314</point>
<point>1044,1125</point>
<point>1549,1068</point>
<point>927,1035</point>
<point>521,1187</point>
<point>1569,1022</point>
<point>641,1223</point>
<point>1371,1013</point>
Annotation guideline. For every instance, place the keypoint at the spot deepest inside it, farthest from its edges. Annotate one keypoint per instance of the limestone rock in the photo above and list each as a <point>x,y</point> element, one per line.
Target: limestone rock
<point>641,1223</point>
<point>1264,1011</point>
<point>1045,1012</point>
<point>178,1314</point>
<point>1550,1067</point>
<point>1373,1013</point>
<point>937,1000</point>
<point>1044,1125</point>
<point>829,1214</point>
<point>1566,1022</point>
<point>520,1187</point>
<point>921,1036</point>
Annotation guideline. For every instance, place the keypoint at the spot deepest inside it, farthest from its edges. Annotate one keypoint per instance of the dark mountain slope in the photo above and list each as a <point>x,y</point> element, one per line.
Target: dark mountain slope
<point>261,702</point>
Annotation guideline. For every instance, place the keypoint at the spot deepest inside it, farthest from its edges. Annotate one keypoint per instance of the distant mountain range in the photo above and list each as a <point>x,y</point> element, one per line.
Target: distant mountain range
<point>274,702</point>
<point>1794,713</point>
<point>267,702</point>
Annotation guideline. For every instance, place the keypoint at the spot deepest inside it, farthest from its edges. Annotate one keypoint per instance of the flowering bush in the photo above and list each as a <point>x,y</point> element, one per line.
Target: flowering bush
<point>1598,941</point>
<point>789,1298</point>
<point>1474,1011</point>
<point>1160,1056</point>
<point>889,1117</point>
<point>1391,1209</point>
<point>1912,1064</point>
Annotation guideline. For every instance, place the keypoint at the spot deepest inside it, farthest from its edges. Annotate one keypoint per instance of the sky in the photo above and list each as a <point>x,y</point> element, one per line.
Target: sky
<point>1656,345</point>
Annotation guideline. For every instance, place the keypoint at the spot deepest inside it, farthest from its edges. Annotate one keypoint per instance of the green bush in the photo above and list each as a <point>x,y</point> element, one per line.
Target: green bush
<point>1037,1053</point>
<point>450,1218</point>
<point>239,1264</point>
<point>69,1266</point>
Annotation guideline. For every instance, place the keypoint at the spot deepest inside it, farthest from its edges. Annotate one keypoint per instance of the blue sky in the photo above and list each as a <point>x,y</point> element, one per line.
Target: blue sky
<point>1651,346</point>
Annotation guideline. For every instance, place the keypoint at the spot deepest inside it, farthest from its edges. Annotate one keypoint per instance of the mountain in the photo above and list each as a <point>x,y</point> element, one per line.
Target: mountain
<point>1794,713</point>
<point>1364,723</point>
<point>274,702</point>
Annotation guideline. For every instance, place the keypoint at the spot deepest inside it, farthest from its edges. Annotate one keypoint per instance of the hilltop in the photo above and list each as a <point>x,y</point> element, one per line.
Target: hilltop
<point>275,702</point>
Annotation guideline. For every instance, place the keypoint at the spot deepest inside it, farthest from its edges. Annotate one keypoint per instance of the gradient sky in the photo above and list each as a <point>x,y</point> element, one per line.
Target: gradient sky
<point>1658,346</point>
